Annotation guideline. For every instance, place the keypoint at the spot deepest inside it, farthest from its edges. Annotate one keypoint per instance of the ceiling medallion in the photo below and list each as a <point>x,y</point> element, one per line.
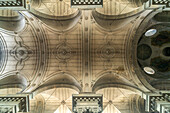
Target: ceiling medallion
<point>63,52</point>
<point>21,53</point>
<point>107,51</point>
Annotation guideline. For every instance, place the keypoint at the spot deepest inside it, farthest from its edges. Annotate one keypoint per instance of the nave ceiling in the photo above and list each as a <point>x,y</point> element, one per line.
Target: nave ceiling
<point>52,47</point>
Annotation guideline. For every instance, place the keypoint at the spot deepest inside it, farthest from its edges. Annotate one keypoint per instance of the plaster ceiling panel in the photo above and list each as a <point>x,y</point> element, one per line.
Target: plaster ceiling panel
<point>106,51</point>
<point>27,49</point>
<point>66,51</point>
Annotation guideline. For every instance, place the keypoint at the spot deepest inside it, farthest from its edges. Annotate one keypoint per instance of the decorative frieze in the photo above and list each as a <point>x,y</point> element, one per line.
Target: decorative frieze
<point>161,2</point>
<point>165,4</point>
<point>12,4</point>
<point>87,3</point>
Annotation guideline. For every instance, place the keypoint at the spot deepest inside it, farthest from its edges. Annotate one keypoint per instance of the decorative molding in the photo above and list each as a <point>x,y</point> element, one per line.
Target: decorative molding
<point>163,4</point>
<point>87,4</point>
<point>21,53</point>
<point>13,4</point>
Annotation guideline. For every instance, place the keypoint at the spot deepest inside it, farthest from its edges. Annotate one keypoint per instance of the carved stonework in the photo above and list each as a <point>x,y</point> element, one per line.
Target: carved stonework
<point>87,103</point>
<point>17,4</point>
<point>87,3</point>
<point>161,2</point>
<point>14,103</point>
<point>21,53</point>
<point>7,109</point>
<point>11,3</point>
<point>159,102</point>
<point>90,51</point>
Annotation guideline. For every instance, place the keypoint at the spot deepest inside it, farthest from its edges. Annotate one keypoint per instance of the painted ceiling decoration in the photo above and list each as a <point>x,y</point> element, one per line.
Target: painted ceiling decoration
<point>60,59</point>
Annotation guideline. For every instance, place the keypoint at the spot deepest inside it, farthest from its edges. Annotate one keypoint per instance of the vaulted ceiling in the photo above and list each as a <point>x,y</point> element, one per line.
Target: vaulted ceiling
<point>55,48</point>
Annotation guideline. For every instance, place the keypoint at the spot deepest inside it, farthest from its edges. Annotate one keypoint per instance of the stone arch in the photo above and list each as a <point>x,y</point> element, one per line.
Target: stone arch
<point>59,80</point>
<point>111,79</point>
<point>14,81</point>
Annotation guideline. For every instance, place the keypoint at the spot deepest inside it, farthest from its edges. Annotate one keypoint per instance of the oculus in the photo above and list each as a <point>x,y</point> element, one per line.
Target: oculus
<point>151,32</point>
<point>149,70</point>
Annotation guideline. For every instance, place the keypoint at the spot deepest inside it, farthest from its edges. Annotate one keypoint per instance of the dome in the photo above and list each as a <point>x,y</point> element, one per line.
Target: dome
<point>153,51</point>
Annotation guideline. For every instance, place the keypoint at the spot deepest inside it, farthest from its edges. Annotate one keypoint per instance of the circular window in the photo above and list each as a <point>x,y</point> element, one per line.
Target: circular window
<point>150,32</point>
<point>149,70</point>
